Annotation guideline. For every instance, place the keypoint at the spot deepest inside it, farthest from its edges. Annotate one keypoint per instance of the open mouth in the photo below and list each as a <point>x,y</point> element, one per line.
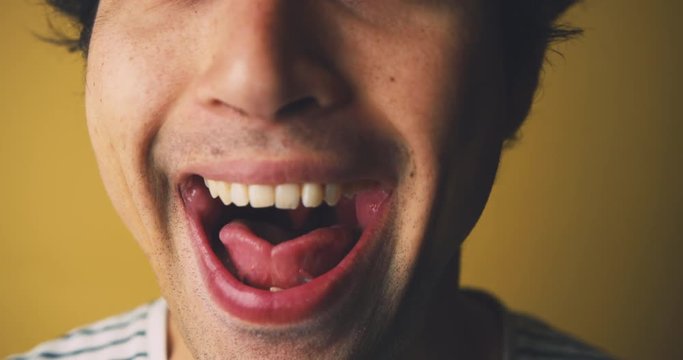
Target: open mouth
<point>278,253</point>
<point>279,237</point>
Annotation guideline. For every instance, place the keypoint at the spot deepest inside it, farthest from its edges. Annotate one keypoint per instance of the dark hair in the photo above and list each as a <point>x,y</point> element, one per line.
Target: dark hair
<point>528,27</point>
<point>532,20</point>
<point>82,13</point>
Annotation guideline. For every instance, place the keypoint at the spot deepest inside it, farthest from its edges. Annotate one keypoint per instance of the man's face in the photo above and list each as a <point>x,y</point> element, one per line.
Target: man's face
<point>392,104</point>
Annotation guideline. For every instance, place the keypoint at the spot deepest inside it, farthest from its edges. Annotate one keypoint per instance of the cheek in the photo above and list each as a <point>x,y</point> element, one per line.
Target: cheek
<point>414,82</point>
<point>419,85</point>
<point>129,87</point>
<point>127,90</point>
<point>136,67</point>
<point>418,96</point>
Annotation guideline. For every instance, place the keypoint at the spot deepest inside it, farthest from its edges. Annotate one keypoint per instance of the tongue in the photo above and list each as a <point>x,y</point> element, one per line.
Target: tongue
<point>259,263</point>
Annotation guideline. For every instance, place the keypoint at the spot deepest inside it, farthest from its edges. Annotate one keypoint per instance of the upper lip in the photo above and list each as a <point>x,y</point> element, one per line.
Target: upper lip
<point>253,171</point>
<point>331,150</point>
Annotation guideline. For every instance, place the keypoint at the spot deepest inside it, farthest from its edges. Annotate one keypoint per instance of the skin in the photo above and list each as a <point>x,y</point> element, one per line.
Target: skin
<point>170,83</point>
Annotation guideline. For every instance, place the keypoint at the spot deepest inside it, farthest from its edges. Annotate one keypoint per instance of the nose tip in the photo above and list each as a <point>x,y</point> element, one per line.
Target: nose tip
<point>271,91</point>
<point>268,67</point>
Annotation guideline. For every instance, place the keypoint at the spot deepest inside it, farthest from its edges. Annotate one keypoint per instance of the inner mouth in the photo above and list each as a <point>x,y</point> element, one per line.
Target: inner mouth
<point>276,249</point>
<point>277,226</point>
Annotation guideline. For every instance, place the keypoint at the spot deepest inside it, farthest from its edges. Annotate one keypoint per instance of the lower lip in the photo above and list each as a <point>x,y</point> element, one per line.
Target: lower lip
<point>293,305</point>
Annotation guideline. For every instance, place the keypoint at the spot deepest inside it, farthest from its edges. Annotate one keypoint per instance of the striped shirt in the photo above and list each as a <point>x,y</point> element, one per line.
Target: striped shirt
<point>530,339</point>
<point>135,335</point>
<point>527,338</point>
<point>141,334</point>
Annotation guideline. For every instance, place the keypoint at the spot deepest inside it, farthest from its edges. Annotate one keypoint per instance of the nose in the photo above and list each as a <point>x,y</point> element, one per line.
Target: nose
<point>267,62</point>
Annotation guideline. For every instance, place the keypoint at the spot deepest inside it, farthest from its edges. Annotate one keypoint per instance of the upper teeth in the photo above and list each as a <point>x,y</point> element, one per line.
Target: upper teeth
<point>283,196</point>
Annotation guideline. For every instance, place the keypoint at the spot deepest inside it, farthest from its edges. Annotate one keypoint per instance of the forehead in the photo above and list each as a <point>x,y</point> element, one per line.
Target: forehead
<point>374,10</point>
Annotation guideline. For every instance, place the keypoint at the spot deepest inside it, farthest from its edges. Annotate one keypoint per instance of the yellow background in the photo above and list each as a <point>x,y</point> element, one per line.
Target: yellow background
<point>584,227</point>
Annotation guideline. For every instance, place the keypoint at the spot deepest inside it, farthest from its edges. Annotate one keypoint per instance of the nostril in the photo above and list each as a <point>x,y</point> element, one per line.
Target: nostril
<point>298,107</point>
